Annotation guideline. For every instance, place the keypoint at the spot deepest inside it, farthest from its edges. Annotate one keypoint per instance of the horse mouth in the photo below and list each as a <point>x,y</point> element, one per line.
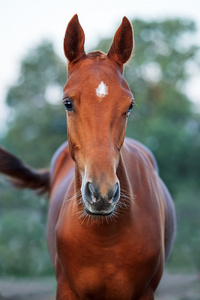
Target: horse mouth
<point>98,213</point>
<point>99,210</point>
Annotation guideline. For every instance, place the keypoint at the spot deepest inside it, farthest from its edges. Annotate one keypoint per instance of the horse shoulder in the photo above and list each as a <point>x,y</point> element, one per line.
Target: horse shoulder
<point>146,159</point>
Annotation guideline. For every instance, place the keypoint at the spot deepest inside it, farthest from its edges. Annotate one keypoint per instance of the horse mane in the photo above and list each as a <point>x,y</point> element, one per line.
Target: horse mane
<point>96,54</point>
<point>21,175</point>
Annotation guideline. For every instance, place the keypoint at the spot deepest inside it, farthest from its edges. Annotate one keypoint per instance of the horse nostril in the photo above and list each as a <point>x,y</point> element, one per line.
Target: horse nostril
<point>114,194</point>
<point>91,193</point>
<point>91,188</point>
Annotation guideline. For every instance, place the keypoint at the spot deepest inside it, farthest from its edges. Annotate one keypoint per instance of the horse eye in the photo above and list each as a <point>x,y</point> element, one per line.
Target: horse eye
<point>68,104</point>
<point>131,106</point>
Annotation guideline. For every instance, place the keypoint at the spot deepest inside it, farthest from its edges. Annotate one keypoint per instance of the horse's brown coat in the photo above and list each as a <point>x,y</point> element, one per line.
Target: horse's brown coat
<point>119,253</point>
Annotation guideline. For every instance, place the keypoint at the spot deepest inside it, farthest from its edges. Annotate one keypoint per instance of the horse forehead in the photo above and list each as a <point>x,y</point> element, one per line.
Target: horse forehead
<point>101,77</point>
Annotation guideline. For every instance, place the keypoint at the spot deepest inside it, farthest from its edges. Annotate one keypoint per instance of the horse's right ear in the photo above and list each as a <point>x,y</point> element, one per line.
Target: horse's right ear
<point>74,40</point>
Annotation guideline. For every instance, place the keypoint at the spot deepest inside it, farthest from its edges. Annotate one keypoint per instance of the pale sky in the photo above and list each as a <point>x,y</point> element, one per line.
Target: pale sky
<point>24,23</point>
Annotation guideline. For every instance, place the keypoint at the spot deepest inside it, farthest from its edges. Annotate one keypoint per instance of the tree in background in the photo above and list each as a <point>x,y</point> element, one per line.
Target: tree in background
<point>37,119</point>
<point>163,120</point>
<point>37,126</point>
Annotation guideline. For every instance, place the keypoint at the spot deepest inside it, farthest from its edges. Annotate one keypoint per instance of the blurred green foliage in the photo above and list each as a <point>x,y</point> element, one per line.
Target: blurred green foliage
<point>164,120</point>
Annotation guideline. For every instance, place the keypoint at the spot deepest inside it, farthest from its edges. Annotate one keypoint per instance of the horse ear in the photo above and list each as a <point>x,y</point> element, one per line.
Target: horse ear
<point>74,40</point>
<point>122,46</point>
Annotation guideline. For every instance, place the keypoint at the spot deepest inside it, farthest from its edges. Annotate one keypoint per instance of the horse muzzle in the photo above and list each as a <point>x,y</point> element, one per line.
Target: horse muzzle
<point>100,200</point>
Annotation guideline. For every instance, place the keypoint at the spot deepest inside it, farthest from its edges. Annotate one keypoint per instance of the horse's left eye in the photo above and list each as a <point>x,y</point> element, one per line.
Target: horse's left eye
<point>68,104</point>
<point>131,106</point>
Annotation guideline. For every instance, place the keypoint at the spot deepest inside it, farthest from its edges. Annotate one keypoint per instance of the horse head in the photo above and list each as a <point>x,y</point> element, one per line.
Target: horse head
<point>98,101</point>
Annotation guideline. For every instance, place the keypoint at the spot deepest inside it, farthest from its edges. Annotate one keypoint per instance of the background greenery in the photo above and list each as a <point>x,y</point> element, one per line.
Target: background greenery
<point>164,120</point>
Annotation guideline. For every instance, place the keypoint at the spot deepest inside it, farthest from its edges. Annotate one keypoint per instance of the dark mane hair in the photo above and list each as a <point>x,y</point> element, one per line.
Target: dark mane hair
<point>96,54</point>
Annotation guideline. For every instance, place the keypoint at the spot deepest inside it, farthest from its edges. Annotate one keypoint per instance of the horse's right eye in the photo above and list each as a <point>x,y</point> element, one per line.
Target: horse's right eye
<point>68,104</point>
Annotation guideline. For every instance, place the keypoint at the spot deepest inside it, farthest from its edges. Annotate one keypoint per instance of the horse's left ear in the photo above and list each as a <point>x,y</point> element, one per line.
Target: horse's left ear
<point>122,46</point>
<point>74,40</point>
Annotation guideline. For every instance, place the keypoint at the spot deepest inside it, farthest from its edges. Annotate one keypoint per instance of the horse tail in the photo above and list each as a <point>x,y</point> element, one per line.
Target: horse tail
<point>21,175</point>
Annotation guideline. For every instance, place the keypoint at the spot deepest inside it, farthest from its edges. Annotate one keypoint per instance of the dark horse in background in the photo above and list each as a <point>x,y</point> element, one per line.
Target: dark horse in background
<point>111,219</point>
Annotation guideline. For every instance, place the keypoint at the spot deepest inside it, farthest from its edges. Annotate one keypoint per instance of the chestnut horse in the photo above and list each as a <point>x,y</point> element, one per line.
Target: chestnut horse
<point>111,219</point>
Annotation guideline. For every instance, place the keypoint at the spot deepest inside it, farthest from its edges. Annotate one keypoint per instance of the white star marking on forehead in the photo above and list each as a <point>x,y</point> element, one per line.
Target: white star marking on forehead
<point>102,90</point>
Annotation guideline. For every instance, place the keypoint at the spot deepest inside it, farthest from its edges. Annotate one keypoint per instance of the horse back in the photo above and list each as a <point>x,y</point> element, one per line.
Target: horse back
<point>133,144</point>
<point>61,164</point>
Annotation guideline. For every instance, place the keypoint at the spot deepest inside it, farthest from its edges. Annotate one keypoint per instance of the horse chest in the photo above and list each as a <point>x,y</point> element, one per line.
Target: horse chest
<point>103,268</point>
<point>96,274</point>
<point>105,282</point>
